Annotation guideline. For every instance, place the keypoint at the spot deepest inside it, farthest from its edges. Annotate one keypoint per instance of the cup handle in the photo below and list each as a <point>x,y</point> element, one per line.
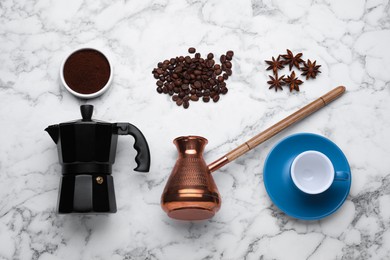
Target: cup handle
<point>342,176</point>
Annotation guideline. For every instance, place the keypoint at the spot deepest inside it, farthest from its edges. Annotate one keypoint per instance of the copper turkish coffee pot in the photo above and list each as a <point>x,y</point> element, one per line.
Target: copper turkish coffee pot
<point>191,193</point>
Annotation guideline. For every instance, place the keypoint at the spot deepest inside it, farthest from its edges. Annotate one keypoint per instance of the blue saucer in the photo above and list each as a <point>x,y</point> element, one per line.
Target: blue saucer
<point>281,189</point>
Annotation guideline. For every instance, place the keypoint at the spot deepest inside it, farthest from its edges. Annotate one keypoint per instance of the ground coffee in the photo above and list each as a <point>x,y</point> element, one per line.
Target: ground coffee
<point>86,71</point>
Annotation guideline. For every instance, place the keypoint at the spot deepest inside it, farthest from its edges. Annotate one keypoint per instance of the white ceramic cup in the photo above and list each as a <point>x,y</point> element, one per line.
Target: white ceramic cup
<point>312,172</point>
<point>81,95</point>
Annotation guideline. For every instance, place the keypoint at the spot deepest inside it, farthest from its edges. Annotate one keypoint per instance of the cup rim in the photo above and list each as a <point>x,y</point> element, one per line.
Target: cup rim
<point>295,181</point>
<point>91,95</point>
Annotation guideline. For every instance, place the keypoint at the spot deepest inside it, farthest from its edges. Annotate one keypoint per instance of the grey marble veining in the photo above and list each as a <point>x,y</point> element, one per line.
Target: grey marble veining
<point>348,38</point>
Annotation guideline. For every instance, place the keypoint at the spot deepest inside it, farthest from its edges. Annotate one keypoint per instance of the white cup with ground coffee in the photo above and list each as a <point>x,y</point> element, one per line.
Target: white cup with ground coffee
<point>86,73</point>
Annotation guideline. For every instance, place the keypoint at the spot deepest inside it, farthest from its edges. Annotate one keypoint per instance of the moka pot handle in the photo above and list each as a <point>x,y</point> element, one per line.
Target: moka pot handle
<point>140,145</point>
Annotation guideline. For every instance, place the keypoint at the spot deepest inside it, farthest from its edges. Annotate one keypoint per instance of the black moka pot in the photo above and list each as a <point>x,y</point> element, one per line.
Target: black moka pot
<point>86,151</point>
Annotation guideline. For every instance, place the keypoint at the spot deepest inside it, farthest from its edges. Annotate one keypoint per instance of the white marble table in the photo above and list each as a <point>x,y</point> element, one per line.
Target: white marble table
<point>350,39</point>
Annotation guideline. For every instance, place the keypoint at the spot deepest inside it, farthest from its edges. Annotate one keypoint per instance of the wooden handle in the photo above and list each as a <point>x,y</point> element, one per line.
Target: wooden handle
<point>278,127</point>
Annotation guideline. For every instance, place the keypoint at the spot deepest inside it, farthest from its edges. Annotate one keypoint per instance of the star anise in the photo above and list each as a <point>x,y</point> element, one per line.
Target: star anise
<point>292,60</point>
<point>293,82</point>
<point>276,82</point>
<point>275,65</point>
<point>310,70</point>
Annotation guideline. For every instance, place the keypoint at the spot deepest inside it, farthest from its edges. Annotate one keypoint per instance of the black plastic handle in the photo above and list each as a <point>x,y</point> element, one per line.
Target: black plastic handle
<point>140,145</point>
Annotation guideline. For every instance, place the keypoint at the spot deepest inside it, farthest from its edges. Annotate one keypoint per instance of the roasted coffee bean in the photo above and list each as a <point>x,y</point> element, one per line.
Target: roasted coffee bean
<point>188,59</point>
<point>178,69</point>
<point>228,64</point>
<point>210,63</point>
<point>188,78</point>
<point>178,82</point>
<point>194,97</point>
<point>159,83</point>
<point>197,84</point>
<point>179,102</point>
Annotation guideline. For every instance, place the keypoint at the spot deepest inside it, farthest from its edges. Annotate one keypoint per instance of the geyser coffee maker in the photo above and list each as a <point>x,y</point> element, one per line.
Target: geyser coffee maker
<point>86,151</point>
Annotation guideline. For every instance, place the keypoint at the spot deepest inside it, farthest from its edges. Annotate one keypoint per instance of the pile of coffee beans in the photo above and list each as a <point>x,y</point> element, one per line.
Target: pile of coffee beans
<point>192,78</point>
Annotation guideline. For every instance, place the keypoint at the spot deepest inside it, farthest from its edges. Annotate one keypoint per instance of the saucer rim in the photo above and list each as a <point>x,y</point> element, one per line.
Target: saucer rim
<point>347,184</point>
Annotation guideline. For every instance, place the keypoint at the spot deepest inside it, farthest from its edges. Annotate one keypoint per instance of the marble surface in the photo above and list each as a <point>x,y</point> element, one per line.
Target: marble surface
<point>348,38</point>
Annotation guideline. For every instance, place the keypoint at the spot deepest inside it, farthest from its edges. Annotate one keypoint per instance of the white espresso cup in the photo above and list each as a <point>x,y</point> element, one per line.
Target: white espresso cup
<point>312,172</point>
